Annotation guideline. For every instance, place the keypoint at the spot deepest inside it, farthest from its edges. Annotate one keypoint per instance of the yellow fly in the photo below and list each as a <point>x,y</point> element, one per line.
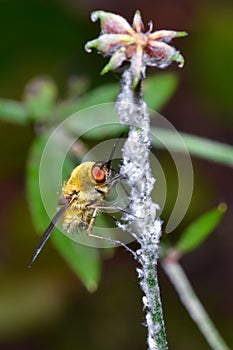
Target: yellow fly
<point>81,199</point>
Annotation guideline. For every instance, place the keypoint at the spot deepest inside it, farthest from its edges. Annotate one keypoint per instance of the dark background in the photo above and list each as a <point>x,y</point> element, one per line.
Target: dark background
<point>47,306</point>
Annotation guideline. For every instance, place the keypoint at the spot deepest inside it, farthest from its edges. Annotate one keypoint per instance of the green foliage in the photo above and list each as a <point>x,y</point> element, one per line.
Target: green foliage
<point>37,209</point>
<point>196,146</point>
<point>158,89</point>
<point>38,306</point>
<point>13,111</point>
<point>200,229</point>
<point>39,106</point>
<point>40,97</point>
<point>84,261</point>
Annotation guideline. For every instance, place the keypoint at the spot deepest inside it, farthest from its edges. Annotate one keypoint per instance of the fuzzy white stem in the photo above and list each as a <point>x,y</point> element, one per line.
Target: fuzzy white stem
<point>146,227</point>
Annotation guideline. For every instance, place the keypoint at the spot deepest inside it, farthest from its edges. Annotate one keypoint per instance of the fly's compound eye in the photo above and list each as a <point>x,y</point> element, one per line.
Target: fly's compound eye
<point>98,174</point>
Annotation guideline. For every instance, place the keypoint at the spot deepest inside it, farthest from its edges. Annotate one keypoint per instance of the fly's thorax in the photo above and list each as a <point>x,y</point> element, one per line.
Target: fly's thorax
<point>79,180</point>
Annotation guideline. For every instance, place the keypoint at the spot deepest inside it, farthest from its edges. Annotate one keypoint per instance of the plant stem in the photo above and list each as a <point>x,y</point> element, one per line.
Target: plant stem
<point>193,305</point>
<point>145,226</point>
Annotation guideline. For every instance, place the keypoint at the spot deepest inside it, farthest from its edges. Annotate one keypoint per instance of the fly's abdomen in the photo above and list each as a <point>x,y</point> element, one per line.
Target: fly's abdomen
<point>76,218</point>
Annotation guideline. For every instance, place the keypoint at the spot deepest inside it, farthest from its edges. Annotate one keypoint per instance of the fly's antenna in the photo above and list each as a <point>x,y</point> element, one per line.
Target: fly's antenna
<point>113,151</point>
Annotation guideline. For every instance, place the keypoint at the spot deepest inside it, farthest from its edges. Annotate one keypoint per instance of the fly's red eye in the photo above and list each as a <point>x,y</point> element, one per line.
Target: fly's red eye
<point>98,174</point>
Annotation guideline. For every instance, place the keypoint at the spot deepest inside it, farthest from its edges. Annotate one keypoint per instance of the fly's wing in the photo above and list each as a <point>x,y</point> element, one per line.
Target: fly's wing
<point>49,230</point>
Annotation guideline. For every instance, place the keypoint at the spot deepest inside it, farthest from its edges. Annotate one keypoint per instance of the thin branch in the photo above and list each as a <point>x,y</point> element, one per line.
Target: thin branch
<point>193,305</point>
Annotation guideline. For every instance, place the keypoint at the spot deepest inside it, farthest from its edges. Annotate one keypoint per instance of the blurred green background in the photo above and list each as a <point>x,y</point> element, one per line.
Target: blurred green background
<point>48,306</point>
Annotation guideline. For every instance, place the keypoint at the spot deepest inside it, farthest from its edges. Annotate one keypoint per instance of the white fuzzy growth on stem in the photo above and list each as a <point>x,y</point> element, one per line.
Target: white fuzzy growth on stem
<point>146,227</point>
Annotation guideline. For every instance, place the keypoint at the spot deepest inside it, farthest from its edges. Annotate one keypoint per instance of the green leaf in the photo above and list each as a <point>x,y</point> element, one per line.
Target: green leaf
<point>41,93</point>
<point>95,121</point>
<point>99,95</point>
<point>158,89</point>
<point>13,111</point>
<point>84,261</point>
<point>39,215</point>
<point>95,112</point>
<point>197,146</point>
<point>200,229</point>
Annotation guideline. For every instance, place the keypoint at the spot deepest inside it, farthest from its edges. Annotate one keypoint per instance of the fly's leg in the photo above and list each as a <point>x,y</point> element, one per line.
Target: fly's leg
<point>89,229</point>
<point>108,239</point>
<point>113,208</point>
